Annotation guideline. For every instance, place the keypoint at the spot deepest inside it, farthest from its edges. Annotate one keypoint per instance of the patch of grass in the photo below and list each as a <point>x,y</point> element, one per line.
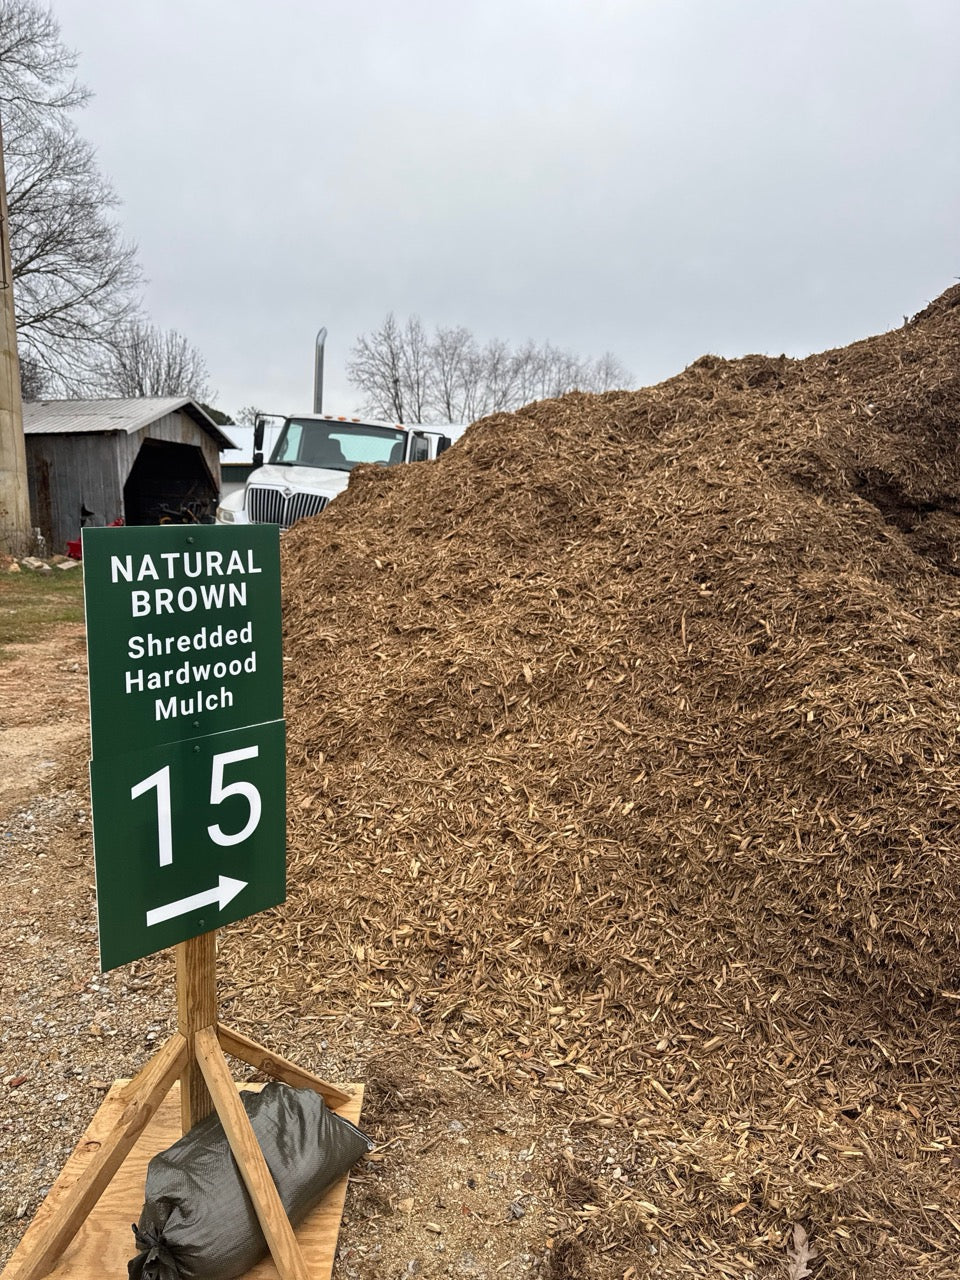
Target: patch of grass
<point>30,603</point>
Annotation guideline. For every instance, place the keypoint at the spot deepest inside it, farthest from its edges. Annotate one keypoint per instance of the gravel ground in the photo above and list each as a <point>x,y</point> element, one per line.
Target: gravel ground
<point>67,1030</point>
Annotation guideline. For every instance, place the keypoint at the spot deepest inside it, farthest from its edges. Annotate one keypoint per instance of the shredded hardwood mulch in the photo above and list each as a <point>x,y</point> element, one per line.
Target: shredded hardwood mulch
<point>623,765</point>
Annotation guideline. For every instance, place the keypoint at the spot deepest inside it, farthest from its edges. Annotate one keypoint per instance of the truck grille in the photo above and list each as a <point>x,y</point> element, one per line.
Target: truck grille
<point>269,506</point>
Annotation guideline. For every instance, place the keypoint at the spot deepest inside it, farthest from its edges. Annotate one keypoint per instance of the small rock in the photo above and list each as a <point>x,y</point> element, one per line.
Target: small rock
<point>68,564</point>
<point>517,1210</point>
<point>434,1227</point>
<point>13,568</point>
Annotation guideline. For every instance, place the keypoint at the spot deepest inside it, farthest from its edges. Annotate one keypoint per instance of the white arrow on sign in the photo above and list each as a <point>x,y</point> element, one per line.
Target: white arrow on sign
<point>225,892</point>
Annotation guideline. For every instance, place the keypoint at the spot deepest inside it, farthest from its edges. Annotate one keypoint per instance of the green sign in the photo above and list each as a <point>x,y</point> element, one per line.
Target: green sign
<point>183,632</point>
<point>187,837</point>
<point>188,764</point>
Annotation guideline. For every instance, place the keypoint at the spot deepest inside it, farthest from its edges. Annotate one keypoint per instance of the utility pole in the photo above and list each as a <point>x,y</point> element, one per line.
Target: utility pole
<point>15,529</point>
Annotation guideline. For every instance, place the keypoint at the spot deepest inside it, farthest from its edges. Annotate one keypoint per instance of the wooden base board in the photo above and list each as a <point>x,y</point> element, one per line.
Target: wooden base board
<point>105,1242</point>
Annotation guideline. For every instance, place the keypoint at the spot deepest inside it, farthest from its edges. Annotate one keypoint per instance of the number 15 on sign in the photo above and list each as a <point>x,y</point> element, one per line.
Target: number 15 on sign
<point>189,836</point>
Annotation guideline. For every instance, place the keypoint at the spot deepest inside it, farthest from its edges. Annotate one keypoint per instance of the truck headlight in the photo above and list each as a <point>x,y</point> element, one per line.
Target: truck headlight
<point>225,515</point>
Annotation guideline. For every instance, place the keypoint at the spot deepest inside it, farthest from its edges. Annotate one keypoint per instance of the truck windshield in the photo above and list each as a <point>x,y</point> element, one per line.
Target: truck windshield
<point>336,446</point>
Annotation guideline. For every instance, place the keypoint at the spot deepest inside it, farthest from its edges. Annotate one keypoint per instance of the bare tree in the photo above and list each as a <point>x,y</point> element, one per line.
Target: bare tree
<point>450,378</point>
<point>416,372</point>
<point>36,69</point>
<point>32,382</point>
<point>247,415</point>
<point>455,365</point>
<point>74,278</point>
<point>147,361</point>
<point>376,367</point>
<point>608,373</point>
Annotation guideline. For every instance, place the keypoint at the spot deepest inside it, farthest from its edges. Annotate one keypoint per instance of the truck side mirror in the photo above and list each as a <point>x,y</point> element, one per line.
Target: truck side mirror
<point>259,427</point>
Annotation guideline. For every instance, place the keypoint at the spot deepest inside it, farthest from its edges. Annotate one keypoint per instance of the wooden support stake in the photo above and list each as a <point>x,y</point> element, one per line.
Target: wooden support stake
<point>196,1010</point>
<point>246,1150</point>
<point>193,1054</point>
<point>271,1064</point>
<point>45,1239</point>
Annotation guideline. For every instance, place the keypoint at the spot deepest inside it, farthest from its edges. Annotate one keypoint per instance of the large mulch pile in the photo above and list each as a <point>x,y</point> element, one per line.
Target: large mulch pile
<point>624,765</point>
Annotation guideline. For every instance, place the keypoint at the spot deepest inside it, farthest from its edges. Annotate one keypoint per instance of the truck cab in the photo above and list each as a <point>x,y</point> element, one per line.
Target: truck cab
<point>311,463</point>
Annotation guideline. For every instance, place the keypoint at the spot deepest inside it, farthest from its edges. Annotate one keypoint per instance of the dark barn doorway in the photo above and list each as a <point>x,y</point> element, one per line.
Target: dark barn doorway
<point>169,484</point>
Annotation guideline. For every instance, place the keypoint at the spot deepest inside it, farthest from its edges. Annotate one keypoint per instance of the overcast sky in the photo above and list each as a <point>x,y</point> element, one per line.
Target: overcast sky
<point>654,178</point>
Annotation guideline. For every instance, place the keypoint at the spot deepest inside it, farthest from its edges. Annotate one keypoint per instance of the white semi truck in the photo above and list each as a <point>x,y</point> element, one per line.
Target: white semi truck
<point>312,460</point>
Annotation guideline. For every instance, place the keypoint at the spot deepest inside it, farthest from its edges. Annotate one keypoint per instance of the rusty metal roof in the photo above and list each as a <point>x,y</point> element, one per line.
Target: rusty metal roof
<point>69,417</point>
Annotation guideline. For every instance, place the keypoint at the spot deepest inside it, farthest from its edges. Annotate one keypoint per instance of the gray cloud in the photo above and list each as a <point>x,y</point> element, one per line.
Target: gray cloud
<point>653,179</point>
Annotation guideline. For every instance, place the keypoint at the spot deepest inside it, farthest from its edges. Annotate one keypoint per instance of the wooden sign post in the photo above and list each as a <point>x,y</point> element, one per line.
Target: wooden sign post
<point>194,1055</point>
<point>173,812</point>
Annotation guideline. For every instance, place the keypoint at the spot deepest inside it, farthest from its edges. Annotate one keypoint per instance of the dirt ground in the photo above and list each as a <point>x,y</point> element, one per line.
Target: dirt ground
<point>43,712</point>
<point>458,1184</point>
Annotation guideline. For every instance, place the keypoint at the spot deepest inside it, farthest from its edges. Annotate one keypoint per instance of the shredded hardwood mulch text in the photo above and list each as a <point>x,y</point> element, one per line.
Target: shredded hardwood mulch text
<point>623,749</point>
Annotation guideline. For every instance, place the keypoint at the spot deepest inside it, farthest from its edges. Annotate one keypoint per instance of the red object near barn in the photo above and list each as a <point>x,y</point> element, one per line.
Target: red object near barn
<point>75,546</point>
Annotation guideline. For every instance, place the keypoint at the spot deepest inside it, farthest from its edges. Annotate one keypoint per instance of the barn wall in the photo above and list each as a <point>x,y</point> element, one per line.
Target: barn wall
<point>67,472</point>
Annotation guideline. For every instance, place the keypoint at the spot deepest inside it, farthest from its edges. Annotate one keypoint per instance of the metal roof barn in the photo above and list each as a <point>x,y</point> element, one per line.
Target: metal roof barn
<point>150,460</point>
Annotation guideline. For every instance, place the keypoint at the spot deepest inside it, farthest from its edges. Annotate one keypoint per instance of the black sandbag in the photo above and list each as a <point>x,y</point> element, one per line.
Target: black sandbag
<point>198,1221</point>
